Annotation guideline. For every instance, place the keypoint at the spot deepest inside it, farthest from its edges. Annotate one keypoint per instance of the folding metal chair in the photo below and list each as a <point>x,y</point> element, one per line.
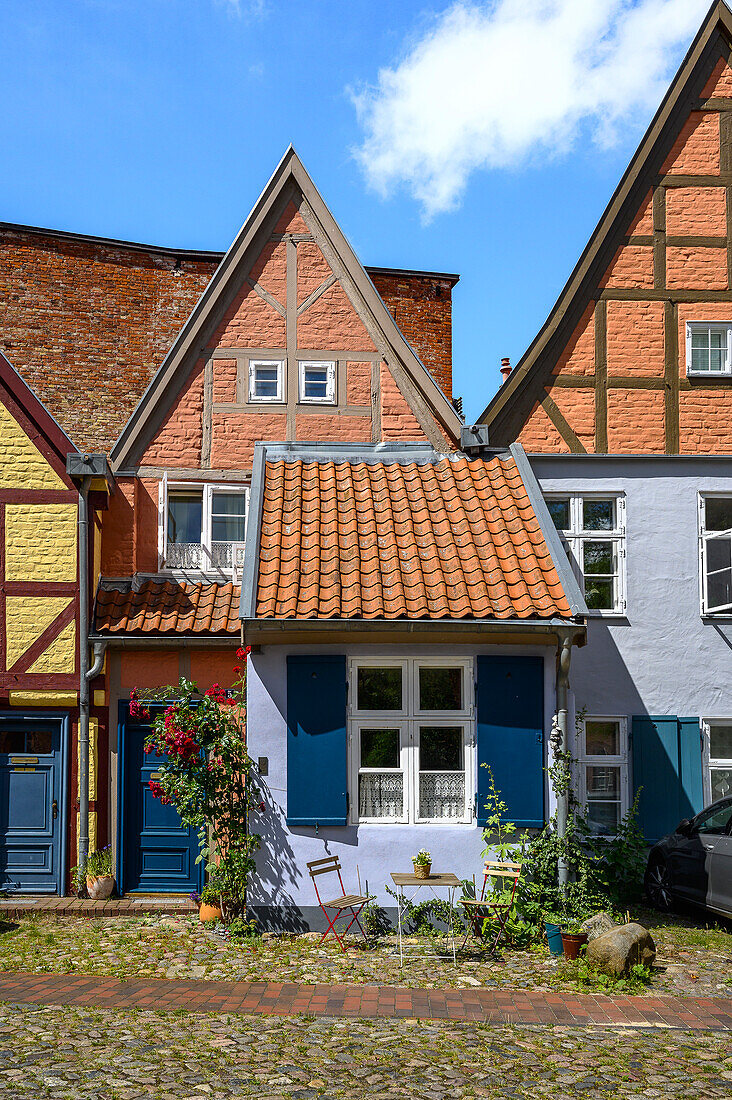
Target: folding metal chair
<point>496,906</point>
<point>352,902</point>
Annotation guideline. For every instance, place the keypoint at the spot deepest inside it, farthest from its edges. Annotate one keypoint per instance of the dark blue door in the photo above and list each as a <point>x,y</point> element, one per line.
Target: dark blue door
<point>30,804</point>
<point>159,852</point>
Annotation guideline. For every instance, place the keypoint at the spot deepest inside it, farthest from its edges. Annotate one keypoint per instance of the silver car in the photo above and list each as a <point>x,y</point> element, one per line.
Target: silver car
<point>694,863</point>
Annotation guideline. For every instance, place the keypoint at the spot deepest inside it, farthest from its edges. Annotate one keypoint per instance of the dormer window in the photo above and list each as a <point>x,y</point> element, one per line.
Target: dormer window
<point>709,349</point>
<point>202,529</point>
<point>266,380</point>
<point>317,383</point>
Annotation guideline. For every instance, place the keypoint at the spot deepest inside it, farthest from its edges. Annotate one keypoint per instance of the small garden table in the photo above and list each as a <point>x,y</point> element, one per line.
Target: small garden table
<point>448,882</point>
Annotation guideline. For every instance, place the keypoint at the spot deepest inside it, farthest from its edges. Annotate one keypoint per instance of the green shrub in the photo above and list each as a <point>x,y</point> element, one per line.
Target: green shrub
<point>375,920</point>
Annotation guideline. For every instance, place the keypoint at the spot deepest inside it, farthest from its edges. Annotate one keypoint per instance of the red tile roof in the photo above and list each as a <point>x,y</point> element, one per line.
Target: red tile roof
<point>166,607</point>
<point>450,539</point>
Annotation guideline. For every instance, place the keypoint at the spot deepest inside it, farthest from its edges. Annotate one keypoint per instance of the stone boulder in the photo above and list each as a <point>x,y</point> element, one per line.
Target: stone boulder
<point>617,950</point>
<point>595,926</point>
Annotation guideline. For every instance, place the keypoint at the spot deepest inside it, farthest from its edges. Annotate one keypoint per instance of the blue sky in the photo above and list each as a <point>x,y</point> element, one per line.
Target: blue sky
<point>436,137</point>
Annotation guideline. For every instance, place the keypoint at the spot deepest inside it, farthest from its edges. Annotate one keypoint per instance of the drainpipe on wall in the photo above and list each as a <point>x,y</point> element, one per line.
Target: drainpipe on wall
<point>85,470</point>
<point>564,657</point>
<point>83,681</point>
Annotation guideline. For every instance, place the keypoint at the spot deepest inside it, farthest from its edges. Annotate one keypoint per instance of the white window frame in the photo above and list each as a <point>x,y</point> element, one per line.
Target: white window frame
<point>585,760</point>
<point>704,538</point>
<point>707,326</point>
<point>280,365</point>
<point>330,377</point>
<point>576,535</point>
<point>165,488</point>
<point>408,720</point>
<point>709,762</point>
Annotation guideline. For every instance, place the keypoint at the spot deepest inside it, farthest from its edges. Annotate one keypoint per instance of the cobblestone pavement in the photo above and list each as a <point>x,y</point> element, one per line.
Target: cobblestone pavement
<point>691,960</point>
<point>82,1054</point>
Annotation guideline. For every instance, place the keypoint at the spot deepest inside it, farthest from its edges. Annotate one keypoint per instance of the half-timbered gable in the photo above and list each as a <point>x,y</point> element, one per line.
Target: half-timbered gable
<point>636,356</point>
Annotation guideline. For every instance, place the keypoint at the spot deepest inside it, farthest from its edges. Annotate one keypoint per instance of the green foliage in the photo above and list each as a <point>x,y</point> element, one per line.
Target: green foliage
<point>422,858</point>
<point>211,894</point>
<point>98,865</point>
<point>375,920</point>
<point>241,929</point>
<point>503,841</point>
<point>588,979</point>
<point>623,859</point>
<point>209,777</point>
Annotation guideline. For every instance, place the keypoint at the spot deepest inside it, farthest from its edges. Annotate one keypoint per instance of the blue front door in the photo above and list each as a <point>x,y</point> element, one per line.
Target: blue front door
<point>31,820</point>
<point>158,851</point>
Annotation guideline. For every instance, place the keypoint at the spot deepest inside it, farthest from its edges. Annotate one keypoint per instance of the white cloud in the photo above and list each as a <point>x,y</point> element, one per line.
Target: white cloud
<point>248,9</point>
<point>498,85</point>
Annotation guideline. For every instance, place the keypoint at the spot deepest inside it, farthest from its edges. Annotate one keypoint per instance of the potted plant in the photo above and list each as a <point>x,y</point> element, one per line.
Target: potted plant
<point>209,908</point>
<point>573,938</point>
<point>422,863</point>
<point>99,877</point>
<point>553,923</point>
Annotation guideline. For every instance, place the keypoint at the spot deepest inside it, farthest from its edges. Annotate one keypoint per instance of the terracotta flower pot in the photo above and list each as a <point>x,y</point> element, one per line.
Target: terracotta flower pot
<point>99,889</point>
<point>572,942</point>
<point>422,870</point>
<point>208,912</point>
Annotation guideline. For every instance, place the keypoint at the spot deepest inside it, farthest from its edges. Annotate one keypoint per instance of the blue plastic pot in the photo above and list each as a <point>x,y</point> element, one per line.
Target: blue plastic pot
<point>554,938</point>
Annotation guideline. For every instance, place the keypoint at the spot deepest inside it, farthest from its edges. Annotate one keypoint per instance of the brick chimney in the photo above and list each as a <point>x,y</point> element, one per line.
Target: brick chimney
<point>505,369</point>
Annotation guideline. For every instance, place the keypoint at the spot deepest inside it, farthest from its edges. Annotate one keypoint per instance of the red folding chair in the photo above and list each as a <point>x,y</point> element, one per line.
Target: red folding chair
<point>496,906</point>
<point>340,905</point>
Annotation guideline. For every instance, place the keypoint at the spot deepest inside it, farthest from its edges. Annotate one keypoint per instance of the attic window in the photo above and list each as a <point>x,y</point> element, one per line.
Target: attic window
<point>317,383</point>
<point>709,349</point>
<point>266,380</point>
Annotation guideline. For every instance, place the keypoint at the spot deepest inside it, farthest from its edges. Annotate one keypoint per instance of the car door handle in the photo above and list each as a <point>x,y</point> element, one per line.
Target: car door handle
<point>709,847</point>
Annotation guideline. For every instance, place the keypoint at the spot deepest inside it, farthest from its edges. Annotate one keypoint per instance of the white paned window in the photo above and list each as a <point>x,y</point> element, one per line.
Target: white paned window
<point>715,553</point>
<point>411,739</point>
<point>603,763</point>
<point>718,757</point>
<point>708,348</point>
<point>266,380</point>
<point>593,532</point>
<point>202,527</point>
<point>317,383</point>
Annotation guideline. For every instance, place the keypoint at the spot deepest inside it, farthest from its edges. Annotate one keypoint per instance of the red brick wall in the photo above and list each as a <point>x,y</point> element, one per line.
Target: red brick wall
<point>87,323</point>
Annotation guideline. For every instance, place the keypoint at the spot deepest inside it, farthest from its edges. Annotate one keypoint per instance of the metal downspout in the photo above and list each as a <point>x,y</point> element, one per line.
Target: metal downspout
<point>564,657</point>
<point>83,682</point>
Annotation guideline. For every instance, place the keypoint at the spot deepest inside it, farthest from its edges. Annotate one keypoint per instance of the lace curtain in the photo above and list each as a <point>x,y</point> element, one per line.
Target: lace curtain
<point>381,794</point>
<point>441,794</point>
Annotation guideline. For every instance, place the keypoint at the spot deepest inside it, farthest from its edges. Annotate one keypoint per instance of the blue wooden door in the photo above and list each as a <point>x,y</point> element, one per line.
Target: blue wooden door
<point>31,778</point>
<point>158,851</point>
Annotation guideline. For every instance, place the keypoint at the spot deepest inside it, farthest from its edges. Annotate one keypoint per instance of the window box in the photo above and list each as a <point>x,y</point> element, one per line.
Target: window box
<point>709,349</point>
<point>201,528</point>
<point>411,737</point>
<point>317,383</point>
<point>593,532</point>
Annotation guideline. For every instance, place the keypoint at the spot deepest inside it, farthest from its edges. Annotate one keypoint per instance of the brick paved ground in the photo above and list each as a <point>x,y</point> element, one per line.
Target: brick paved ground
<point>279,999</point>
<point>56,908</point>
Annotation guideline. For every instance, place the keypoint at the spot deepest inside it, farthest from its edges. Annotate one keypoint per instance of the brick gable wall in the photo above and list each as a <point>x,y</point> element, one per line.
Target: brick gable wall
<point>619,381</point>
<point>88,322</point>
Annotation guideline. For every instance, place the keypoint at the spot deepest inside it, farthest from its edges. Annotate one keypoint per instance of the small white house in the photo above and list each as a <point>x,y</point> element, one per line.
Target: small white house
<point>404,609</point>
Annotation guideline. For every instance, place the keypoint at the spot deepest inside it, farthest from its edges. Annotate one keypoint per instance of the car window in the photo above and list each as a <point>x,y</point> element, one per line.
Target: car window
<point>715,821</point>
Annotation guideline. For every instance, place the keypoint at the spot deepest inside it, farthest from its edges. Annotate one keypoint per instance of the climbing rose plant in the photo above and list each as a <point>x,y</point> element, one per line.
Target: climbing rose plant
<point>208,776</point>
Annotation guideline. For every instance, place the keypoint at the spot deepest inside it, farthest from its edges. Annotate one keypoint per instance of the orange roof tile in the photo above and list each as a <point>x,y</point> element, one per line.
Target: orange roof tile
<point>455,538</point>
<point>166,607</point>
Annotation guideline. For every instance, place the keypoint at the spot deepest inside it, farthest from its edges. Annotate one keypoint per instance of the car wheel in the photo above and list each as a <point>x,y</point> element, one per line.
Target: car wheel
<point>658,885</point>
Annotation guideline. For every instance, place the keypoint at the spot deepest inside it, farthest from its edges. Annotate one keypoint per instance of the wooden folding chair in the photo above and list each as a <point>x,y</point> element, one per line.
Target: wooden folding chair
<point>340,905</point>
<point>497,905</point>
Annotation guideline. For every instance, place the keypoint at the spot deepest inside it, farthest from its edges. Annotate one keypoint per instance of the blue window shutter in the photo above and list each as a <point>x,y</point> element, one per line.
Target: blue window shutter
<point>317,766</point>
<point>657,769</point>
<point>510,722</point>
<point>690,749</point>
